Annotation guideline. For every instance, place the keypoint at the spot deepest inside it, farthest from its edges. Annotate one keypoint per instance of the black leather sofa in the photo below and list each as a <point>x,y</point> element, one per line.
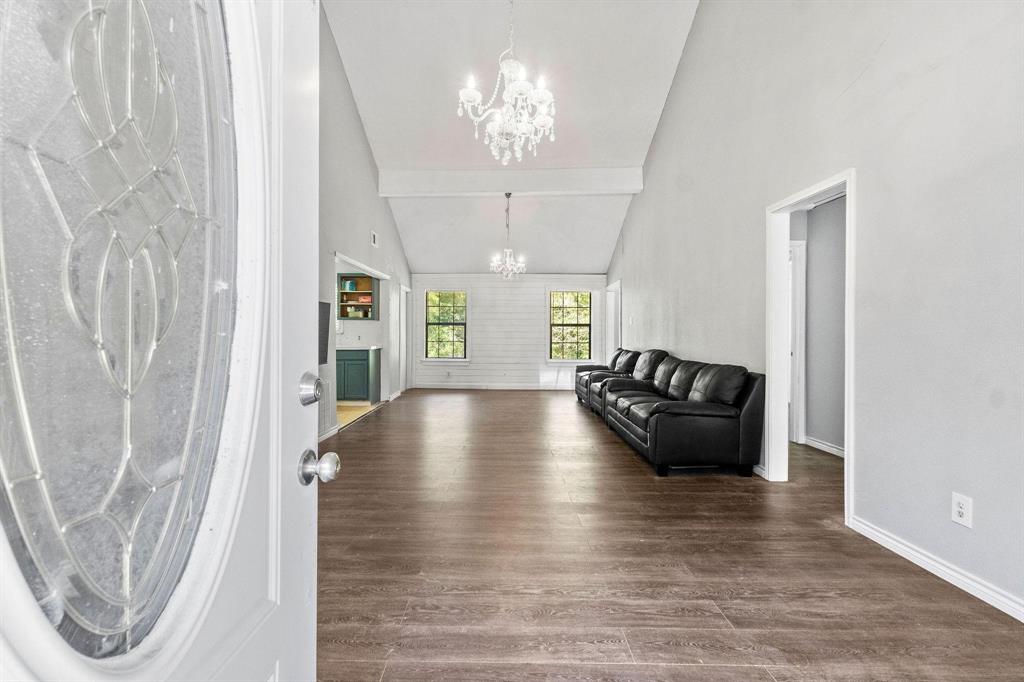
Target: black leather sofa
<point>621,364</point>
<point>646,365</point>
<point>684,413</point>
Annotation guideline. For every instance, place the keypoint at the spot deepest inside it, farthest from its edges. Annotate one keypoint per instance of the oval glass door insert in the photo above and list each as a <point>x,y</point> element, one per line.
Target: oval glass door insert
<point>117,297</point>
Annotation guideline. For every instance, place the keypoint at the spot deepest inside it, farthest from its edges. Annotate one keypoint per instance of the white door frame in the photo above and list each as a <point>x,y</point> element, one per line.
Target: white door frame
<point>613,318</point>
<point>798,342</point>
<point>404,336</point>
<point>777,316</point>
<point>394,347</point>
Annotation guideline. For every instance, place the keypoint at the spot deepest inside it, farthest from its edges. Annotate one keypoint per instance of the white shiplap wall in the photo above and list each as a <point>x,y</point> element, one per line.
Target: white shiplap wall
<point>506,330</point>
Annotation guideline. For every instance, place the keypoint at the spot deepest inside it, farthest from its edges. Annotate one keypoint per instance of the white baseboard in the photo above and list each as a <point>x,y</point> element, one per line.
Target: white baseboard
<point>759,470</point>
<point>394,396</point>
<point>495,387</point>
<point>329,432</point>
<point>824,447</point>
<point>968,582</point>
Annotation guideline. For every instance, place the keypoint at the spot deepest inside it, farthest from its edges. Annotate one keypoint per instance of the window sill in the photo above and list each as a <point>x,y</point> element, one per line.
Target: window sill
<point>570,362</point>
<point>455,360</point>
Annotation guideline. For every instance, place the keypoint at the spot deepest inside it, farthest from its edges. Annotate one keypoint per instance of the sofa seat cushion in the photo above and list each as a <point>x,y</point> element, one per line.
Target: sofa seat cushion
<point>640,414</point>
<point>695,408</point>
<point>631,398</point>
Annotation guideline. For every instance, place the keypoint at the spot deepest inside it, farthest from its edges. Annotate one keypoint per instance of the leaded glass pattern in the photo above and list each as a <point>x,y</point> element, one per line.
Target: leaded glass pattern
<point>117,295</point>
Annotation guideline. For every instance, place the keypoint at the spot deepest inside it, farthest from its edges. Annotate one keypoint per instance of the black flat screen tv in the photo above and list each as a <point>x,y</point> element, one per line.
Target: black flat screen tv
<point>325,330</point>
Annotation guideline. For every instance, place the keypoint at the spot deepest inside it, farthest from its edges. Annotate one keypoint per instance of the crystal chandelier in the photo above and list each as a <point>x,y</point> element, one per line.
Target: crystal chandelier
<point>506,264</point>
<point>525,115</point>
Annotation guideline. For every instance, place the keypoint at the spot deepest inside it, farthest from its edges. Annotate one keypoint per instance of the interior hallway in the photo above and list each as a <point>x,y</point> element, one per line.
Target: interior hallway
<point>506,535</point>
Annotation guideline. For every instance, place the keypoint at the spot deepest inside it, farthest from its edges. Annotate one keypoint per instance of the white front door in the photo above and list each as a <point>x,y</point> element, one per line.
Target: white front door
<point>158,288</point>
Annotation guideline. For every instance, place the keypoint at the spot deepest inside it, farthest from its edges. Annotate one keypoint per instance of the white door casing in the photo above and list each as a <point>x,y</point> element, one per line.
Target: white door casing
<point>403,324</point>
<point>798,341</point>
<point>244,607</point>
<point>613,319</point>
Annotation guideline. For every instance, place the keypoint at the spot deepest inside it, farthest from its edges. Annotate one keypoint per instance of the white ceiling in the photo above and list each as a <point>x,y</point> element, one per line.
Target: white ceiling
<point>609,64</point>
<point>567,234</point>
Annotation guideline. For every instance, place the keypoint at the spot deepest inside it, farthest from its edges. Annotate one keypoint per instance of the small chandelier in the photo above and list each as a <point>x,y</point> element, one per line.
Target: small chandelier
<point>506,264</point>
<point>525,116</point>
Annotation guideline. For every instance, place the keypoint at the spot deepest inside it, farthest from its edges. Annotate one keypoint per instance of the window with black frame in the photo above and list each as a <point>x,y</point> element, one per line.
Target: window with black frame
<point>446,325</point>
<point>570,325</point>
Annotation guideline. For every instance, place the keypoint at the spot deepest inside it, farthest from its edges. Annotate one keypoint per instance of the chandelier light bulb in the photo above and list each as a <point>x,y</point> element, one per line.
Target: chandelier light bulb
<point>471,82</point>
<point>522,73</point>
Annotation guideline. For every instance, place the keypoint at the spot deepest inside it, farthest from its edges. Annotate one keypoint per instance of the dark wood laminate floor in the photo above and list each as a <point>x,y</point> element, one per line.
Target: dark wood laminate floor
<point>508,535</point>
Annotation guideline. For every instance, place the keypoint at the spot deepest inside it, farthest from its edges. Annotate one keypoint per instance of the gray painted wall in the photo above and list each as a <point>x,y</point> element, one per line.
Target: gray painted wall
<point>350,206</point>
<point>926,101</point>
<point>825,318</point>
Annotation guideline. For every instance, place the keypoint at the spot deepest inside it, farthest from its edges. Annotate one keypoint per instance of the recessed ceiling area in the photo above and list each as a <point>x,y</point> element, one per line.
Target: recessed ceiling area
<point>609,64</point>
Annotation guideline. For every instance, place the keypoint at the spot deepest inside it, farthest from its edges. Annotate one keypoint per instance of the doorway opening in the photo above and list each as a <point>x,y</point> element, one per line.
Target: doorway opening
<point>613,317</point>
<point>787,329</point>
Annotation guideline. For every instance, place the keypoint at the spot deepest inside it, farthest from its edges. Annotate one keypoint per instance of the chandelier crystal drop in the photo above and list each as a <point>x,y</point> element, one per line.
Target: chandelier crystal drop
<point>506,264</point>
<point>525,115</point>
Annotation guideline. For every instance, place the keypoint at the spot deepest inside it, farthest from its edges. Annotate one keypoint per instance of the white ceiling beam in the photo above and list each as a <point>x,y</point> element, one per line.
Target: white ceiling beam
<point>536,182</point>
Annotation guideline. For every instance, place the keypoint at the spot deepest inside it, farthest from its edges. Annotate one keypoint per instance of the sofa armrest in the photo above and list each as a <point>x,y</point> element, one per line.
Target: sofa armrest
<point>688,408</point>
<point>627,383</point>
<point>598,376</point>
<point>591,368</point>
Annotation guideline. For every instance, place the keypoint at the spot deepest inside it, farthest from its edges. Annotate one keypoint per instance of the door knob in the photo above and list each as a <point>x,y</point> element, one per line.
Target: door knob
<point>325,468</point>
<point>310,388</point>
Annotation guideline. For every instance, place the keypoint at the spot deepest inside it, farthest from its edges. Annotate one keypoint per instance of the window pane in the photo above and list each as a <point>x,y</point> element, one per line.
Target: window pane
<point>583,297</point>
<point>444,349</point>
<point>583,315</point>
<point>433,314</point>
<point>556,299</point>
<point>459,298</point>
<point>459,350</point>
<point>569,316</point>
<point>431,349</point>
<point>433,298</point>
<point>460,334</point>
<point>444,314</point>
<point>557,351</point>
<point>557,335</point>
<point>583,334</point>
<point>570,334</point>
<point>459,314</point>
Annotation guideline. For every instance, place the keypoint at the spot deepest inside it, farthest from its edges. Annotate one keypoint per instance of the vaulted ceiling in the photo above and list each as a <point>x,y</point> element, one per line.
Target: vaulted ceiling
<point>609,64</point>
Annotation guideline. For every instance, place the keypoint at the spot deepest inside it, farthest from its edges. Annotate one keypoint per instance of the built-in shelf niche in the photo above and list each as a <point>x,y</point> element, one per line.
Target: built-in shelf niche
<point>357,297</point>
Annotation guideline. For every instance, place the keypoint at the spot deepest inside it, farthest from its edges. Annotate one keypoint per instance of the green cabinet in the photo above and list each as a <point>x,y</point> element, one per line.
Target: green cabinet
<point>358,374</point>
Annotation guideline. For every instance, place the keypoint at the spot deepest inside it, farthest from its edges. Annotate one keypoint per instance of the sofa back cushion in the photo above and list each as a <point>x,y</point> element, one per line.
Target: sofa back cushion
<point>682,379</point>
<point>663,375</point>
<point>647,364</point>
<point>615,356</point>
<point>718,384</point>
<point>626,361</point>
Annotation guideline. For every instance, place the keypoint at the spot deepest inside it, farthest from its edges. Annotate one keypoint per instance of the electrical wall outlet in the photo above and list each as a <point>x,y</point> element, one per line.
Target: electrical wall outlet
<point>963,512</point>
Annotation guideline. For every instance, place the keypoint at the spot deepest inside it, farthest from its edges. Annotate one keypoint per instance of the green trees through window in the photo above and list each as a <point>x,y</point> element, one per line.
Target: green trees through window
<point>446,324</point>
<point>570,325</point>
